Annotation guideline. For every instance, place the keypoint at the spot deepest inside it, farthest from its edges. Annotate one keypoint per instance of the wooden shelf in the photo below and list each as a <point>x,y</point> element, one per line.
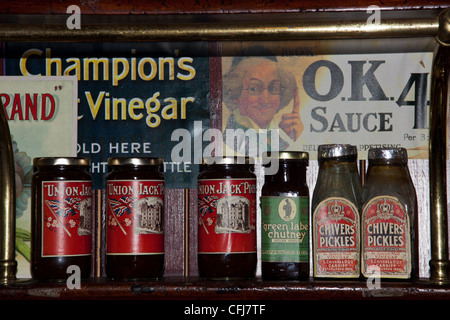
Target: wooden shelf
<point>172,288</point>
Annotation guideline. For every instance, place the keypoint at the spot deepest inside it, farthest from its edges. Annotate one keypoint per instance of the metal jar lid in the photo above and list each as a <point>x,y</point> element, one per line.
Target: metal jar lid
<point>60,161</point>
<point>134,161</point>
<point>388,154</point>
<point>336,151</point>
<point>226,160</point>
<point>287,155</point>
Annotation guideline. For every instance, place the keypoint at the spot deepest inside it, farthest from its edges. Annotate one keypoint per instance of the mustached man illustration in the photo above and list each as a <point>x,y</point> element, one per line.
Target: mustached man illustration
<point>255,89</point>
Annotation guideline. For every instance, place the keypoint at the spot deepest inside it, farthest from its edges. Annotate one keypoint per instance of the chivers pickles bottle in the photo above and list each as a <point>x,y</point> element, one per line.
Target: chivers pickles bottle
<point>61,206</point>
<point>389,215</point>
<point>285,220</point>
<point>335,213</point>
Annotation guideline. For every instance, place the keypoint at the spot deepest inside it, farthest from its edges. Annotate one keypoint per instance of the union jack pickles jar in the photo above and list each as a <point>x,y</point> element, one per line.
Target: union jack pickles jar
<point>61,218</point>
<point>227,218</point>
<point>135,218</point>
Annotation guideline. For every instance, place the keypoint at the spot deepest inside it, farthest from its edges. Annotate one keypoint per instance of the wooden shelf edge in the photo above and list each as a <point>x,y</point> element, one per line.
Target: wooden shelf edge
<point>198,289</point>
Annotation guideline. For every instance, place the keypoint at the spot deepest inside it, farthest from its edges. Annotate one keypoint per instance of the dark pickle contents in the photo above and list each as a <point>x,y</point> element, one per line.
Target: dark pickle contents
<point>227,266</point>
<point>61,218</point>
<point>227,219</point>
<point>135,233</point>
<point>285,215</point>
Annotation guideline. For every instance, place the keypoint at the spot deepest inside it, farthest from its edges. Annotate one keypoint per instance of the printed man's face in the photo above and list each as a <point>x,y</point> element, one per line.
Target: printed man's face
<point>260,96</point>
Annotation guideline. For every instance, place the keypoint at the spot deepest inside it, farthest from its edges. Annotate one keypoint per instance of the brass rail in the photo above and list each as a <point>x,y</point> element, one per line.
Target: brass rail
<point>8,264</point>
<point>220,27</point>
<point>223,31</point>
<point>439,264</point>
<point>250,27</point>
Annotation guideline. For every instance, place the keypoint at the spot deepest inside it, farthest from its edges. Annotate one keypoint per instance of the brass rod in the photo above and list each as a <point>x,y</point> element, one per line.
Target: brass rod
<point>8,264</point>
<point>439,264</point>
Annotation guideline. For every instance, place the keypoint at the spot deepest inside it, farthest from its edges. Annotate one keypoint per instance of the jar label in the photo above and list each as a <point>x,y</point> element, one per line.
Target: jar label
<point>135,223</point>
<point>284,229</point>
<point>227,215</point>
<point>386,248</point>
<point>336,239</point>
<point>66,218</point>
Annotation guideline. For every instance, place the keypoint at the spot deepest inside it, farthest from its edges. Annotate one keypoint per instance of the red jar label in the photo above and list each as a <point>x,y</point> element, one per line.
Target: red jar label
<point>386,245</point>
<point>336,239</point>
<point>66,218</point>
<point>227,215</point>
<point>135,222</point>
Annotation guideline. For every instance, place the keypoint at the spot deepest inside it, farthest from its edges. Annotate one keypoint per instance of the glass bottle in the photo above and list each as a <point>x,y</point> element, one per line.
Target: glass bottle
<point>227,219</point>
<point>285,219</point>
<point>389,217</point>
<point>335,213</point>
<point>135,218</point>
<point>61,219</point>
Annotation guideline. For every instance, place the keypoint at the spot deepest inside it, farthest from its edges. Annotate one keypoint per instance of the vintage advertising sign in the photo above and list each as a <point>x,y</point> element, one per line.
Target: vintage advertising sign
<point>42,118</point>
<point>134,99</point>
<point>153,99</point>
<point>368,100</point>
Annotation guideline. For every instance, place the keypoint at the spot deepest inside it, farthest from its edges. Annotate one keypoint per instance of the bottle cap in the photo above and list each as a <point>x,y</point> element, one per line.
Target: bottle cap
<point>288,155</point>
<point>327,151</point>
<point>134,161</point>
<point>388,154</point>
<point>60,161</point>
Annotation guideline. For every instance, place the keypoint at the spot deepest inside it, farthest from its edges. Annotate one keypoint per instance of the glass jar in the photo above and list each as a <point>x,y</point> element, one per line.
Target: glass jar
<point>335,213</point>
<point>285,219</point>
<point>135,218</point>
<point>61,219</point>
<point>227,218</point>
<point>389,217</point>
